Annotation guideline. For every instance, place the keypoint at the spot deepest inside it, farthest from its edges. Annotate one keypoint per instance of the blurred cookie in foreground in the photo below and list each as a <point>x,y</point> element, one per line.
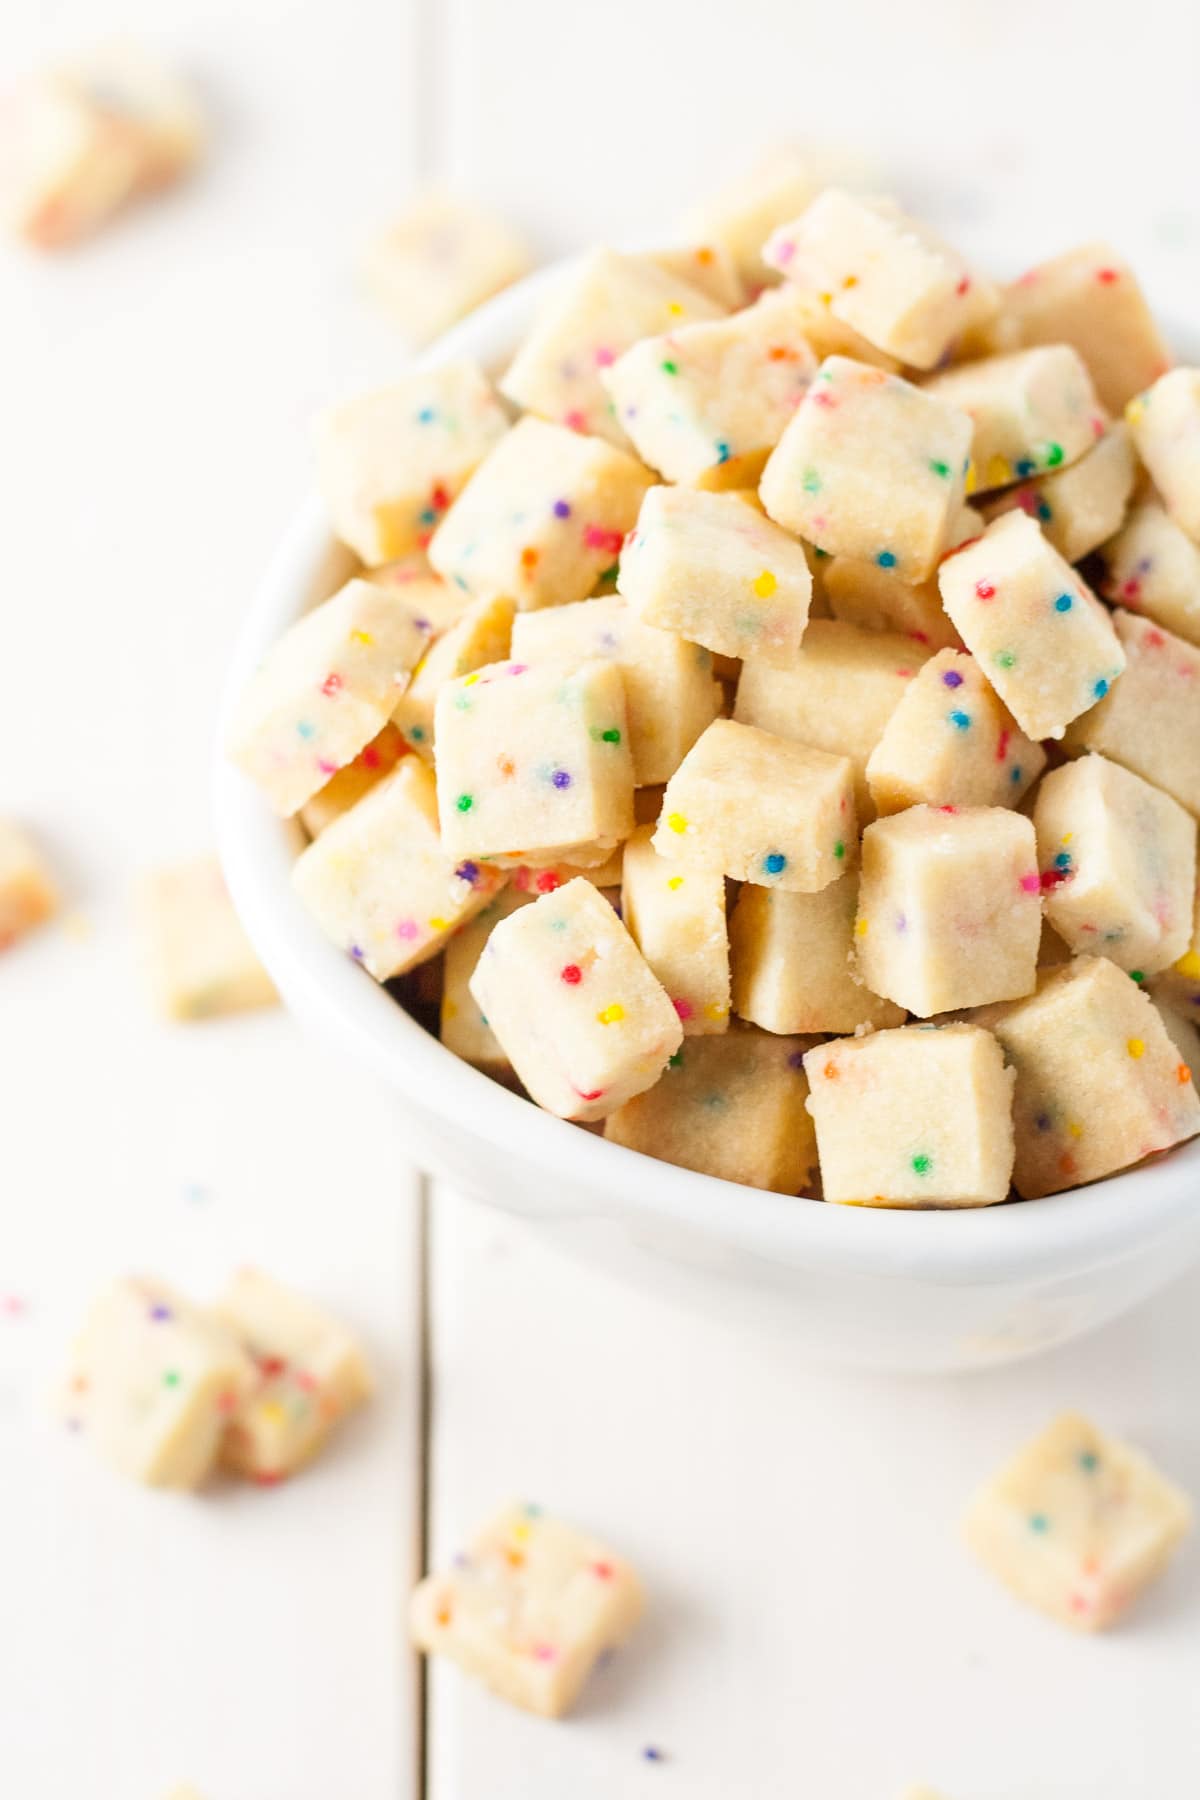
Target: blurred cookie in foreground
<point>199,961</point>
<point>438,260</point>
<point>27,893</point>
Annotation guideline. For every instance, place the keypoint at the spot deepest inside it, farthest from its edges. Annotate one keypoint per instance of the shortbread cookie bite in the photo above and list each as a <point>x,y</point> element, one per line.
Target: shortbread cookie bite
<point>534,763</point>
<point>324,690</point>
<point>744,211</point>
<point>1152,567</point>
<point>574,1004</point>
<point>391,461</point>
<point>381,885</point>
<point>670,693</point>
<point>310,1374</point>
<point>885,274</point>
<point>921,1116</point>
<point>153,1383</point>
<point>760,808</point>
<point>730,1106</point>
<point>28,895</point>
<point>1080,506</point>
<point>948,907</point>
<point>1090,298</point>
<point>1165,422</point>
<point>529,1609</point>
<point>677,922</point>
<point>707,403</point>
<point>951,741</point>
<point>441,258</point>
<point>543,517</point>
<point>347,787</point>
<point>793,962</point>
<point>1100,1085</point>
<point>144,101</point>
<point>1035,628</point>
<point>708,266</point>
<point>462,1026</point>
<point>714,569</point>
<point>861,593</point>
<point>1147,722</point>
<point>602,306</point>
<point>870,467</point>
<point>482,635</point>
<point>1118,862</point>
<point>1078,1524</point>
<point>1179,986</point>
<point>1032,410</point>
<point>199,961</point>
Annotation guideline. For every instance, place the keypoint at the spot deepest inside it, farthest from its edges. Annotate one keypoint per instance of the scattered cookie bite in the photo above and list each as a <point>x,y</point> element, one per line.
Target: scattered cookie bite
<point>441,258</point>
<point>670,693</point>
<point>716,570</point>
<point>542,518</point>
<point>153,1383</point>
<point>1078,1524</point>
<point>1080,506</point>
<point>601,306</point>
<point>199,961</point>
<point>949,914</point>
<point>951,741</point>
<point>1118,862</point>
<point>678,923</point>
<point>760,808</point>
<point>380,883</point>
<point>793,962</point>
<point>1153,567</point>
<point>730,1106</point>
<point>325,690</point>
<point>1033,625</point>
<point>1100,1085</point>
<point>745,210</point>
<point>1147,720</point>
<point>529,1609</point>
<point>1031,410</point>
<point>461,1024</point>
<point>1165,422</point>
<point>574,1004</point>
<point>309,1373</point>
<point>884,273</point>
<point>28,896</point>
<point>920,1116</point>
<point>481,635</point>
<point>1090,298</point>
<point>870,467</point>
<point>350,783</point>
<point>863,594</point>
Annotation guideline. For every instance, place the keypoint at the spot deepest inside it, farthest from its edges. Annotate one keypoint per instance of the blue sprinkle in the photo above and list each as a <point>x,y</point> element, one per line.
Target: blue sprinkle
<point>427,516</point>
<point>723,452</point>
<point>1044,512</point>
<point>1024,467</point>
<point>652,1754</point>
<point>1039,1522</point>
<point>426,416</point>
<point>417,734</point>
<point>1042,1121</point>
<point>886,559</point>
<point>468,871</point>
<point>960,720</point>
<point>1064,603</point>
<point>305,729</point>
<point>1100,689</point>
<point>1063,860</point>
<point>775,863</point>
<point>356,952</point>
<point>1015,775</point>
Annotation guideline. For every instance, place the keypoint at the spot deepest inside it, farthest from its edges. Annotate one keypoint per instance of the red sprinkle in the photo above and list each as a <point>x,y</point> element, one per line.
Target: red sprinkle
<point>547,881</point>
<point>1002,746</point>
<point>963,285</point>
<point>985,590</point>
<point>440,496</point>
<point>572,974</point>
<point>331,684</point>
<point>1108,276</point>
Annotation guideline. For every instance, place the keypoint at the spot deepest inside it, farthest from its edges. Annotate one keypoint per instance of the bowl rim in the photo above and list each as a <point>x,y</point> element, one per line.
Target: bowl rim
<point>1079,1229</point>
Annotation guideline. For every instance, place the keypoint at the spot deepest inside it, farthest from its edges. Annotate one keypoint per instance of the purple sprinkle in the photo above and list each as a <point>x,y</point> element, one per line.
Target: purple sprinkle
<point>562,509</point>
<point>517,668</point>
<point>796,1059</point>
<point>952,678</point>
<point>468,871</point>
<point>423,624</point>
<point>1042,1121</point>
<point>653,1754</point>
<point>561,779</point>
<point>356,952</point>
<point>160,1311</point>
<point>901,922</point>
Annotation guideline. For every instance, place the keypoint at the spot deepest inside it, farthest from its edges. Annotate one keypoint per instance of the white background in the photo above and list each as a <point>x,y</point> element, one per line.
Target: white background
<point>815,1629</point>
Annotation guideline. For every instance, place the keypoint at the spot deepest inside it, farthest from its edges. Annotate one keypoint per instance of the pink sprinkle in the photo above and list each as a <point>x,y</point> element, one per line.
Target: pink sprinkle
<point>544,1652</point>
<point>597,538</point>
<point>517,668</point>
<point>407,929</point>
<point>575,420</point>
<point>905,674</point>
<point>604,358</point>
<point>1155,639</point>
<point>326,768</point>
<point>684,1008</point>
<point>1031,884</point>
<point>963,285</point>
<point>784,251</point>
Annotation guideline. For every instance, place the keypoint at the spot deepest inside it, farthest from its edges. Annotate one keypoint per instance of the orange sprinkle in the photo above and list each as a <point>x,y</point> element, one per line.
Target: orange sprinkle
<point>830,1071</point>
<point>505,765</point>
<point>1067,1165</point>
<point>1183,1074</point>
<point>529,557</point>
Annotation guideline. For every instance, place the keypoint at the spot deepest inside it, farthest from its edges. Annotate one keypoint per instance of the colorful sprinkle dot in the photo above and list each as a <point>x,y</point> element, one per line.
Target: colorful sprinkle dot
<point>561,779</point>
<point>171,1378</point>
<point>1137,975</point>
<point>464,803</point>
<point>1064,603</point>
<point>1039,1522</point>
<point>960,720</point>
<point>669,367</point>
<point>1100,689</point>
<point>952,679</point>
<point>572,974</point>
<point>675,883</point>
<point>810,481</point>
<point>1005,659</point>
<point>562,509</point>
<point>1182,1074</point>
<point>940,468</point>
<point>775,863</point>
<point>985,590</point>
<point>1136,1048</point>
<point>886,559</point>
<point>611,1015</point>
<point>468,871</point>
<point>839,850</point>
<point>861,927</point>
<point>1015,774</point>
<point>922,1163</point>
<point>676,1061</point>
<point>611,736</point>
<point>1089,1461</point>
<point>765,585</point>
<point>1054,455</point>
<point>722,450</point>
<point>676,822</point>
<point>684,1008</point>
<point>306,730</point>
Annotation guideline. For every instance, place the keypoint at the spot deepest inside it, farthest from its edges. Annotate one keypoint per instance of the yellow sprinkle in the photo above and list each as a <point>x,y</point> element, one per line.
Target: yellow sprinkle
<point>271,1412</point>
<point>1189,965</point>
<point>676,822</point>
<point>449,1010</point>
<point>1136,1048</point>
<point>1135,412</point>
<point>521,1533</point>
<point>438,925</point>
<point>825,299</point>
<point>675,883</point>
<point>362,637</point>
<point>611,1015</point>
<point>716,1012</point>
<point>998,472</point>
<point>861,927</point>
<point>1067,836</point>
<point>1074,1130</point>
<point>765,585</point>
<point>470,680</point>
<point>674,308</point>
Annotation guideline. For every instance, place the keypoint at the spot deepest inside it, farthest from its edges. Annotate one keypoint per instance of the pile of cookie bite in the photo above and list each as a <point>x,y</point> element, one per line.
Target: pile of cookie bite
<point>722,704</point>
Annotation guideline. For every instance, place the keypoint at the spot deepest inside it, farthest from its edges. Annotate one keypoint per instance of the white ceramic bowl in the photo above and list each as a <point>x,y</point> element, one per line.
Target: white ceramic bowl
<point>891,1290</point>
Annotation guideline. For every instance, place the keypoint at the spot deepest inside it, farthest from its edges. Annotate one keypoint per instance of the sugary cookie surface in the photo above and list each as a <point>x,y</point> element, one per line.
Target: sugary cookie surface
<point>198,958</point>
<point>678,923</point>
<point>1078,507</point>
<point>1031,411</point>
<point>794,967</point>
<point>1147,720</point>
<point>1090,298</point>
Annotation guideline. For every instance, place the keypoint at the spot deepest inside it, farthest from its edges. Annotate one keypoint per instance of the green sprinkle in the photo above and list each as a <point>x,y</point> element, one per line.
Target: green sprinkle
<point>1089,1460</point>
<point>1138,975</point>
<point>611,736</point>
<point>464,803</point>
<point>940,468</point>
<point>1005,659</point>
<point>839,849</point>
<point>672,368</point>
<point>811,482</point>
<point>171,1378</point>
<point>823,555</point>
<point>922,1164</point>
<point>676,1061</point>
<point>1039,1522</point>
<point>610,574</point>
<point>1054,455</point>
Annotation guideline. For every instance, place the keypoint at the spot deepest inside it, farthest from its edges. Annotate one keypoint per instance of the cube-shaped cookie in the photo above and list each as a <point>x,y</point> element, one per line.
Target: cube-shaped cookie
<point>1077,1524</point>
<point>885,274</point>
<point>1090,298</point>
<point>760,808</point>
<point>534,763</point>
<point>310,1374</point>
<point>1152,567</point>
<point>1080,506</point>
<point>709,266</point>
<point>920,1116</point>
<point>713,568</point>
<point>443,256</point>
<point>951,741</point>
<point>827,335</point>
<point>708,402</point>
<point>730,1106</point>
<point>861,593</point>
<point>482,635</point>
<point>677,922</point>
<point>1032,624</point>
<point>27,893</point>
<point>743,212</point>
<point>837,695</point>
<point>870,467</point>
<point>1118,862</point>
<point>1148,719</point>
<point>529,1609</point>
<point>948,907</point>
<point>1179,986</point>
<point>574,1004</point>
<point>605,303</point>
<point>325,689</point>
<point>199,961</point>
<point>462,1026</point>
<point>793,962</point>
<point>1100,1085</point>
<point>153,1382</point>
<point>145,102</point>
<point>343,790</point>
<point>391,461</point>
<point>1032,410</point>
<point>544,515</point>
<point>1165,421</point>
<point>670,694</point>
<point>379,882</point>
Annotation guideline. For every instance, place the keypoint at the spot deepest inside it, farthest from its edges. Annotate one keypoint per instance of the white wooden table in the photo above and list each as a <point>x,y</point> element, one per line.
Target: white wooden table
<point>815,1630</point>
